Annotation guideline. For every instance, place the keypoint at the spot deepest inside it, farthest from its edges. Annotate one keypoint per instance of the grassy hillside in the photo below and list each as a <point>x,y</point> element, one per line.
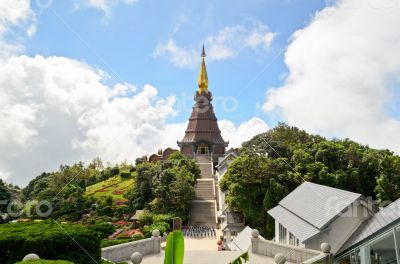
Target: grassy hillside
<point>115,187</point>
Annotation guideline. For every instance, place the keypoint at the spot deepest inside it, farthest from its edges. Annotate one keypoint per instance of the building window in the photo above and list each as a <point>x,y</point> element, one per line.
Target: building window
<point>282,234</point>
<point>345,260</point>
<point>358,256</point>
<point>293,241</point>
<point>397,236</point>
<point>382,250</point>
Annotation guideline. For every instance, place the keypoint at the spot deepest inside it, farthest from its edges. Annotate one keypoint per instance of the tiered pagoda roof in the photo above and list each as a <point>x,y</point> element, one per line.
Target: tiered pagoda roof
<point>203,126</point>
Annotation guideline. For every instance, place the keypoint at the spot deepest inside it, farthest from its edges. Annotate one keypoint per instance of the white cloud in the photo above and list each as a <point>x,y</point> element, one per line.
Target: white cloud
<point>57,110</point>
<point>179,56</point>
<point>4,174</point>
<point>16,13</point>
<point>236,135</point>
<point>226,44</point>
<point>106,5</point>
<point>344,72</point>
<point>231,40</point>
<point>13,13</point>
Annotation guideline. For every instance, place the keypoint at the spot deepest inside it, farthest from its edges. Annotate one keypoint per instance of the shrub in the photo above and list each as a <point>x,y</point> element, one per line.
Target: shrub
<point>168,218</point>
<point>43,261</point>
<point>137,237</point>
<point>103,229</point>
<point>161,226</point>
<point>146,218</point>
<point>114,172</point>
<point>109,243</point>
<point>125,175</point>
<point>49,241</point>
<point>104,210</point>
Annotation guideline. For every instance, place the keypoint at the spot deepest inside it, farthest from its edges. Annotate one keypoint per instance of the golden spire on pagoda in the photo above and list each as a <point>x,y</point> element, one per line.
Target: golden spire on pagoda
<point>203,79</point>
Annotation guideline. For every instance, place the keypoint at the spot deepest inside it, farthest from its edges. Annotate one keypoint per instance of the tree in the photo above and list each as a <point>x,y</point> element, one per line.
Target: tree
<point>5,196</point>
<point>274,163</point>
<point>165,186</point>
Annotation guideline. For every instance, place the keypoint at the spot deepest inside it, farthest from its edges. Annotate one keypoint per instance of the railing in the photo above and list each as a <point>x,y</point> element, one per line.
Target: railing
<point>123,252</point>
<point>292,253</point>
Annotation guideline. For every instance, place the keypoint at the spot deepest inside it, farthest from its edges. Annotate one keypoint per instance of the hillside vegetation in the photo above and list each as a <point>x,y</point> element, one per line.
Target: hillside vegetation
<point>89,193</point>
<point>115,187</point>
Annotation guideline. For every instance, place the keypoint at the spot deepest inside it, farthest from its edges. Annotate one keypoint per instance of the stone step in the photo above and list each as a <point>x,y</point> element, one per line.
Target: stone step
<point>203,209</point>
<point>203,212</point>
<point>204,190</point>
<point>203,159</point>
<point>206,170</point>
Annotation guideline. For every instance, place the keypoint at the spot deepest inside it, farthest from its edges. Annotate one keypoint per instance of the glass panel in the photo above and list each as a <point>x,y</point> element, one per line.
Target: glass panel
<point>382,250</point>
<point>345,260</point>
<point>398,243</point>
<point>358,256</point>
<point>282,234</point>
<point>353,258</point>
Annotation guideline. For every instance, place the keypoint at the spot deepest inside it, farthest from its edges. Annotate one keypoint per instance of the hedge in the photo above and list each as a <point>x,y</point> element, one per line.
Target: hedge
<point>161,226</point>
<point>109,243</point>
<point>42,261</point>
<point>49,241</point>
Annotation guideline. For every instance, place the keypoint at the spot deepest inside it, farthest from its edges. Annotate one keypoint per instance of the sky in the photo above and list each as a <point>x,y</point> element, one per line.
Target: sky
<point>115,79</point>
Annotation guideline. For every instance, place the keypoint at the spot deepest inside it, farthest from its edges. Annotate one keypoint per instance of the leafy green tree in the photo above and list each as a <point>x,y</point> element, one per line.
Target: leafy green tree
<point>165,186</point>
<point>274,163</point>
<point>5,196</point>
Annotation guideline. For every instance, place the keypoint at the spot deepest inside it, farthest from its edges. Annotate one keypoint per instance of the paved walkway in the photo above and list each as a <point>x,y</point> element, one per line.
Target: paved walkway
<point>204,244</point>
<point>212,257</point>
<point>201,251</point>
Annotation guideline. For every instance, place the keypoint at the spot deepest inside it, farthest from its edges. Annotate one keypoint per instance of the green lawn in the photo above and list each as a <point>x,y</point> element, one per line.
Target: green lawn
<point>109,187</point>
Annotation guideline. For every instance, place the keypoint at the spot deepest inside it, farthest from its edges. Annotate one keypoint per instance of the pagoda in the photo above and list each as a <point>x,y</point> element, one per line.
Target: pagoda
<point>202,136</point>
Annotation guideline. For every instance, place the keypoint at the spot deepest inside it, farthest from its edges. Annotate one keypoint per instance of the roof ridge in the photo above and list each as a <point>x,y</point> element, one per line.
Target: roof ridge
<point>320,229</point>
<point>328,187</point>
<point>303,202</point>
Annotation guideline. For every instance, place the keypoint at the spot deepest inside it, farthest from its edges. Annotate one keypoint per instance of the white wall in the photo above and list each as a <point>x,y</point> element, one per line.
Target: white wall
<point>220,174</point>
<point>293,254</point>
<point>337,232</point>
<point>123,252</point>
<point>301,245</point>
<point>340,230</point>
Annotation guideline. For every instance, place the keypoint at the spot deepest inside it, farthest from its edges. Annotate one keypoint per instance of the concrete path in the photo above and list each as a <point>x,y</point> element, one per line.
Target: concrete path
<point>204,251</point>
<point>210,257</point>
<point>204,244</point>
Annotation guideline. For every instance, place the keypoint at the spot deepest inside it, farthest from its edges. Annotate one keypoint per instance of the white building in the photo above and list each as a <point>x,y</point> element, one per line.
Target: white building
<point>231,223</point>
<point>221,169</point>
<point>313,214</point>
<point>376,241</point>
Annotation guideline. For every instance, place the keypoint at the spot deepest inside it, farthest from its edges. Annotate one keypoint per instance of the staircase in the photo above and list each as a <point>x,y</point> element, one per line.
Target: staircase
<point>204,207</point>
<point>203,213</point>
<point>204,189</point>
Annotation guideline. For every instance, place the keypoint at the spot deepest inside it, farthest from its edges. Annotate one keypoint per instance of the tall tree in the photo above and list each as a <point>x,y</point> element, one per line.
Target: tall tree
<point>5,197</point>
<point>272,164</point>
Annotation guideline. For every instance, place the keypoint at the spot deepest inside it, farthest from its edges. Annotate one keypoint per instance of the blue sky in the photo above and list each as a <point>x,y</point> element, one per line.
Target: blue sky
<point>115,78</point>
<point>123,44</point>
